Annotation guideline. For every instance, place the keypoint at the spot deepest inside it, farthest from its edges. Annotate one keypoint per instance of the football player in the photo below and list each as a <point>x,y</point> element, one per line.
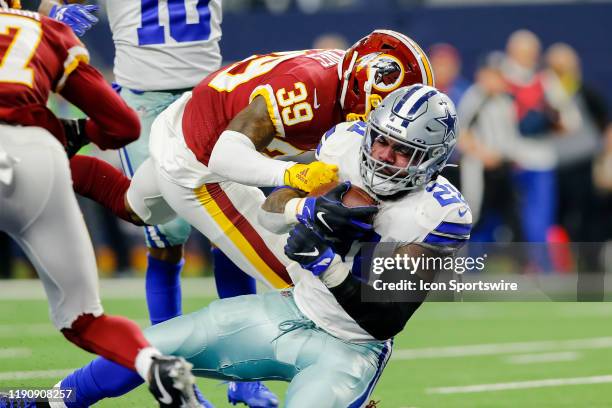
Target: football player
<point>40,55</point>
<point>206,148</point>
<point>319,335</point>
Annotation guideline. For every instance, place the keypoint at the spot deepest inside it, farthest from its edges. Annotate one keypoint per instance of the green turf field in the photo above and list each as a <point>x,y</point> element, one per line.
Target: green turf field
<point>501,345</point>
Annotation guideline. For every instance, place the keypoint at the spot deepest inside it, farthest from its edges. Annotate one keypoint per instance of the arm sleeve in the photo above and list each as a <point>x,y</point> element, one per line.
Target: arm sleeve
<point>111,124</point>
<point>235,158</point>
<point>382,319</point>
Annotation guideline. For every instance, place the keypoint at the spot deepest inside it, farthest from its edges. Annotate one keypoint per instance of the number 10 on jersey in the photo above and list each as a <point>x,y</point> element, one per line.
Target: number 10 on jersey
<point>151,31</point>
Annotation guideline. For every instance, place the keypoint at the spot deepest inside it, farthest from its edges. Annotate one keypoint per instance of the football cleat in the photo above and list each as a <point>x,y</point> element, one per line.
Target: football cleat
<point>253,394</point>
<point>171,382</point>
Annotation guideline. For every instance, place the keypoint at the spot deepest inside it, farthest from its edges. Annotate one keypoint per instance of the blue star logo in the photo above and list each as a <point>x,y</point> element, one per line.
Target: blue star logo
<point>449,121</point>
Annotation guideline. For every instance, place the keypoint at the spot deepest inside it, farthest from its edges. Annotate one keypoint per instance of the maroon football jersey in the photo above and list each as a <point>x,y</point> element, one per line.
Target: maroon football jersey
<point>37,55</point>
<point>300,89</point>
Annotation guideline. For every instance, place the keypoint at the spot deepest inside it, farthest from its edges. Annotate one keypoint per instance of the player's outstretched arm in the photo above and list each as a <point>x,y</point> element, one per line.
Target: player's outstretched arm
<point>111,124</point>
<point>249,133</point>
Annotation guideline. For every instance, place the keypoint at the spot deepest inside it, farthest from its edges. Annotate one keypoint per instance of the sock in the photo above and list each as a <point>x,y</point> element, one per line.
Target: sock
<point>95,179</point>
<point>231,281</point>
<point>98,380</point>
<point>144,359</point>
<point>163,289</point>
<point>116,338</point>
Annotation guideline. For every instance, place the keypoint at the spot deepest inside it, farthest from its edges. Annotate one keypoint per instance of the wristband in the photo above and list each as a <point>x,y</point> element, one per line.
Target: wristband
<point>335,273</point>
<point>292,209</point>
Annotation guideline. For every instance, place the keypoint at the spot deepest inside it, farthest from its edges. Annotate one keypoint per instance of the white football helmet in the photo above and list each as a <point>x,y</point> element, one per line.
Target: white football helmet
<point>421,122</point>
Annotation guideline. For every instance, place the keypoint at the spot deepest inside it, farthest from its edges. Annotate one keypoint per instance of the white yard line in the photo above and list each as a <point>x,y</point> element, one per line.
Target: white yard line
<point>27,330</point>
<point>128,288</point>
<point>502,348</point>
<point>519,385</point>
<point>15,352</point>
<point>543,357</point>
<point>31,375</point>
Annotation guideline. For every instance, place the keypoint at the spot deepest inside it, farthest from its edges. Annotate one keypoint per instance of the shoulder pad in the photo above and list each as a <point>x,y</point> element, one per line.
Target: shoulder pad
<point>445,214</point>
<point>339,139</point>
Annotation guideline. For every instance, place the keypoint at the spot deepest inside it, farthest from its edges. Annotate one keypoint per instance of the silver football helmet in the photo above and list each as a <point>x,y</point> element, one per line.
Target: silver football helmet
<point>419,123</point>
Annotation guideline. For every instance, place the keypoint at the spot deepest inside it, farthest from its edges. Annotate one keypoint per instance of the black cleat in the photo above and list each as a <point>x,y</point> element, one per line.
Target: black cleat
<point>171,382</point>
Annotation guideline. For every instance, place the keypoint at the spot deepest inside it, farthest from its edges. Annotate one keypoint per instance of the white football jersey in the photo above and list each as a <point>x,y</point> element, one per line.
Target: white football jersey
<point>431,214</point>
<point>162,46</point>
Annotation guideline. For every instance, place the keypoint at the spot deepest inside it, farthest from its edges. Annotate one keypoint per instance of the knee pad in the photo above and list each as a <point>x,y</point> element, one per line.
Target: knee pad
<point>145,199</point>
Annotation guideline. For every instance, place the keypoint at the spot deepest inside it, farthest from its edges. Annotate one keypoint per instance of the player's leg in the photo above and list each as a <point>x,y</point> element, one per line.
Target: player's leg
<point>213,210</point>
<point>103,378</point>
<point>44,209</point>
<point>231,339</point>
<point>342,374</point>
<point>50,213</point>
<point>232,281</point>
<point>164,242</point>
<point>226,213</point>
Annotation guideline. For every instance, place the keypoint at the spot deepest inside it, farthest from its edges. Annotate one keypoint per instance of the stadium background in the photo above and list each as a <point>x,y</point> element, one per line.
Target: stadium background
<point>558,354</point>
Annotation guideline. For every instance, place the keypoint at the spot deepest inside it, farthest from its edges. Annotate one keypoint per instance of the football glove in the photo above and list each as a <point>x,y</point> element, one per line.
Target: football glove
<point>307,248</point>
<point>333,218</point>
<point>74,129</point>
<point>79,17</point>
<point>307,177</point>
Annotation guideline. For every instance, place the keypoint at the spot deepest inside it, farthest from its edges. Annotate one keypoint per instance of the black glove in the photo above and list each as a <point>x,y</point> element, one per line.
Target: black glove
<point>307,248</point>
<point>74,129</point>
<point>333,218</point>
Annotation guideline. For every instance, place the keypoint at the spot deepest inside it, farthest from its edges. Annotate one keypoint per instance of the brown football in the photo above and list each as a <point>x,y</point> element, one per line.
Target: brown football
<point>355,197</point>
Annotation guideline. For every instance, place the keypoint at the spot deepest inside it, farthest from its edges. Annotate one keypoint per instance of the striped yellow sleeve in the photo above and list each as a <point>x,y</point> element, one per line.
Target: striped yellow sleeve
<point>267,93</point>
<point>76,55</point>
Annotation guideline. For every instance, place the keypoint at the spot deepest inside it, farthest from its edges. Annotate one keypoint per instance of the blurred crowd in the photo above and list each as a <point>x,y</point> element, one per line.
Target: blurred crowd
<point>534,157</point>
<point>534,151</point>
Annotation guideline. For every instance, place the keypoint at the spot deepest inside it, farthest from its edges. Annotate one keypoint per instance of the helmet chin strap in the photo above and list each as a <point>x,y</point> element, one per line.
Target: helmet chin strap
<point>346,75</point>
<point>372,101</point>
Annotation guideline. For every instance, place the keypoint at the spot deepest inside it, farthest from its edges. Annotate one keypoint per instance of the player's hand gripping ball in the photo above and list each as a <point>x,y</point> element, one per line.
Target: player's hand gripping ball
<point>339,210</point>
<point>307,177</point>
